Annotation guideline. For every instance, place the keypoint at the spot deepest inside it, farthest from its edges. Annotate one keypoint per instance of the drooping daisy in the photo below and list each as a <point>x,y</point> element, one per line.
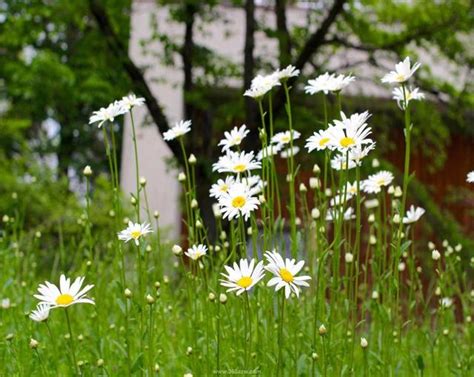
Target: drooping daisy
<point>413,214</point>
<point>262,84</point>
<point>134,231</point>
<point>410,94</point>
<point>243,276</point>
<point>285,73</point>
<point>290,152</point>
<point>268,151</point>
<point>328,83</point>
<point>340,162</point>
<point>348,133</point>
<point>238,201</point>
<point>196,251</point>
<point>375,182</point>
<point>236,162</point>
<point>221,187</point>
<point>470,177</point>
<point>283,138</point>
<point>285,271</point>
<point>334,213</point>
<point>67,294</point>
<point>180,128</point>
<point>108,113</point>
<point>41,313</point>
<point>130,101</point>
<point>358,153</point>
<point>403,71</point>
<point>319,141</point>
<point>233,138</point>
<point>337,83</point>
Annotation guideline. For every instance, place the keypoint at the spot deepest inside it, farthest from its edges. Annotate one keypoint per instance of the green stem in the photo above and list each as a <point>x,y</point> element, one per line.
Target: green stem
<point>71,342</point>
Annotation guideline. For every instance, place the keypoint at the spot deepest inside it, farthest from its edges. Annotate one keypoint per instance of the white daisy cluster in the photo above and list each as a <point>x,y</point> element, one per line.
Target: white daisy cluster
<point>236,192</point>
<point>262,84</point>
<point>328,83</point>
<point>115,109</point>
<point>243,276</point>
<point>402,73</point>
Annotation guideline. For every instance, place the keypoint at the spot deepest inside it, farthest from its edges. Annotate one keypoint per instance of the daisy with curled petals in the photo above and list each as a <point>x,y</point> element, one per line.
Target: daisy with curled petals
<point>337,83</point>
<point>134,231</point>
<point>41,313</point>
<point>413,214</point>
<point>340,162</point>
<point>349,133</point>
<point>283,138</point>
<point>268,151</point>
<point>334,213</point>
<point>403,71</point>
<point>130,101</point>
<point>375,182</point>
<point>285,271</point>
<point>243,276</point>
<point>66,295</point>
<point>180,128</point>
<point>404,98</point>
<point>470,177</point>
<point>358,153</point>
<point>319,141</point>
<point>261,85</point>
<point>233,138</point>
<point>286,73</point>
<point>108,113</point>
<point>328,83</point>
<point>236,162</point>
<point>221,187</point>
<point>238,201</point>
<point>196,251</point>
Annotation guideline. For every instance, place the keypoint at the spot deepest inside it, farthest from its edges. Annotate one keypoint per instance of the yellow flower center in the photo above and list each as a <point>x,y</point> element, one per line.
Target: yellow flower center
<point>239,168</point>
<point>323,141</point>
<point>285,139</point>
<point>135,234</point>
<point>347,142</point>
<point>381,182</point>
<point>245,281</point>
<point>286,275</point>
<point>238,202</point>
<point>237,140</point>
<point>224,188</point>
<point>64,299</point>
<point>400,77</point>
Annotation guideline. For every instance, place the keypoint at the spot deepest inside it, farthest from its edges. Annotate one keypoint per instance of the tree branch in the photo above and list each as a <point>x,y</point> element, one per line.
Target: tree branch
<point>140,85</point>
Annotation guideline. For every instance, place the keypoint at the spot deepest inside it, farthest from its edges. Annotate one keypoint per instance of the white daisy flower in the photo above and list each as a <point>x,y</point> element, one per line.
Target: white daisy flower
<point>233,138</point>
<point>319,141</point>
<point>134,231</point>
<point>358,153</point>
<point>243,276</point>
<point>410,94</point>
<point>221,187</point>
<point>285,73</point>
<point>375,182</point>
<point>351,188</point>
<point>340,198</point>
<point>413,214</point>
<point>333,213</point>
<point>238,201</point>
<point>236,162</point>
<point>290,152</point>
<point>180,128</point>
<point>254,183</point>
<point>328,83</point>
<point>41,313</point>
<point>340,162</point>
<point>261,85</point>
<point>108,113</point>
<point>283,138</point>
<point>403,71</point>
<point>67,294</point>
<point>196,251</point>
<point>131,101</point>
<point>285,271</point>
<point>349,133</point>
<point>470,177</point>
<point>270,150</point>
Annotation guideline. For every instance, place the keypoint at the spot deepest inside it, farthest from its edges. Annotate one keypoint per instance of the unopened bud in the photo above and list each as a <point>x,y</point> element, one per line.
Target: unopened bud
<point>150,299</point>
<point>194,203</point>
<point>303,187</point>
<point>192,159</point>
<point>349,257</point>
<point>127,292</point>
<point>316,169</point>
<point>181,177</point>
<point>87,171</point>
<point>322,330</point>
<point>363,342</point>
<point>33,343</point>
<point>222,298</point>
<point>435,254</point>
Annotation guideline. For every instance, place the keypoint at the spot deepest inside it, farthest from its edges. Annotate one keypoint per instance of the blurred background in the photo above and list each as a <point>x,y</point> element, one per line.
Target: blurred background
<point>60,60</point>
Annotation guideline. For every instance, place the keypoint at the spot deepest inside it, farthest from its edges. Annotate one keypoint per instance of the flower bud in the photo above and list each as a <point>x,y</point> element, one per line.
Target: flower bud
<point>192,159</point>
<point>315,213</point>
<point>150,299</point>
<point>371,218</point>
<point>222,298</point>
<point>177,250</point>
<point>212,297</point>
<point>314,356</point>
<point>349,257</point>
<point>33,343</point>
<point>375,295</point>
<point>100,363</point>
<point>303,187</point>
<point>363,342</point>
<point>314,183</point>
<point>322,330</point>
<point>396,218</point>
<point>194,203</point>
<point>316,169</point>
<point>372,240</point>
<point>181,177</point>
<point>199,224</point>
<point>398,192</point>
<point>127,292</point>
<point>87,171</point>
<point>401,266</point>
<point>435,254</point>
<point>375,163</point>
